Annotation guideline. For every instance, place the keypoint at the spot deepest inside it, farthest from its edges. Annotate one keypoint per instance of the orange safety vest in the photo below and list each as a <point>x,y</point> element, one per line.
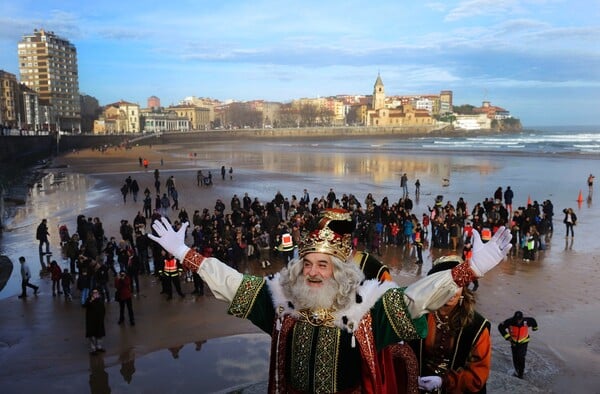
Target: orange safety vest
<point>486,234</point>
<point>519,334</point>
<point>287,242</point>
<point>170,267</point>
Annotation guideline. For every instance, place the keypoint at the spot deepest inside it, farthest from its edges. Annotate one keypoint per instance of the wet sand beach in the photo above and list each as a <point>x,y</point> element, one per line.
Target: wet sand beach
<point>42,344</point>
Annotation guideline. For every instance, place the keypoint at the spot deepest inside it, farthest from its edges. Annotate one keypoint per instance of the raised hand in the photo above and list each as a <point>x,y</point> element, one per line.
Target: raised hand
<point>487,255</point>
<point>172,241</point>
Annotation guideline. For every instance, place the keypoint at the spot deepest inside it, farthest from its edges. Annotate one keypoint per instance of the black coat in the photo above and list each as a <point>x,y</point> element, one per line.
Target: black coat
<point>94,318</point>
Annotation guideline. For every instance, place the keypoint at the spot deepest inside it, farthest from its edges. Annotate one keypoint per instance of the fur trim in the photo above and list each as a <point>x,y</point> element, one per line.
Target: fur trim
<point>370,292</point>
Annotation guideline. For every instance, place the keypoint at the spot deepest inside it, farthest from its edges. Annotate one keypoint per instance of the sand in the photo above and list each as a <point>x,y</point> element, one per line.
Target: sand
<point>43,336</point>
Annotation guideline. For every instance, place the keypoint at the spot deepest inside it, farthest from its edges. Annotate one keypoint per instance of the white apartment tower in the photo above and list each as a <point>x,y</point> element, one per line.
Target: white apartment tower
<point>48,65</point>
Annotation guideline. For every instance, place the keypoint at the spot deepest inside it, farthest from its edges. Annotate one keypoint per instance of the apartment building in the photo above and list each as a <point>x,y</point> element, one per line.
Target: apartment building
<point>30,110</point>
<point>48,65</point>
<point>199,117</point>
<point>119,117</point>
<point>9,100</point>
<point>154,120</point>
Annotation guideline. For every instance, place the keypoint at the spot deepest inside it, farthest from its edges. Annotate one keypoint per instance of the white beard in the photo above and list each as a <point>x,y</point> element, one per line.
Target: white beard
<point>306,297</point>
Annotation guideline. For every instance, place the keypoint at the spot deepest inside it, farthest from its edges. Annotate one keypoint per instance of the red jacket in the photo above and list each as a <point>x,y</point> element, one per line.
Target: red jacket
<point>55,272</point>
<point>123,286</point>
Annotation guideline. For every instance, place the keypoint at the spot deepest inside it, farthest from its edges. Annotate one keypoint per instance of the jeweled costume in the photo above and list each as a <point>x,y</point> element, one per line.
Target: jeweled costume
<point>329,351</point>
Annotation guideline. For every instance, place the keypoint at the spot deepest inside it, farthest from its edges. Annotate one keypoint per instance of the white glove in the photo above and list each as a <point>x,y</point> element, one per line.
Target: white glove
<point>172,241</point>
<point>430,383</point>
<point>487,256</point>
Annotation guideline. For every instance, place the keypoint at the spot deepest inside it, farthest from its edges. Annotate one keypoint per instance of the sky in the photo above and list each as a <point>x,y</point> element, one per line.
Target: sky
<point>539,59</point>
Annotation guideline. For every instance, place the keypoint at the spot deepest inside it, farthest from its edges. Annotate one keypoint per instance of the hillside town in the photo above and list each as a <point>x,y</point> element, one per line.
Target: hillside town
<point>46,99</point>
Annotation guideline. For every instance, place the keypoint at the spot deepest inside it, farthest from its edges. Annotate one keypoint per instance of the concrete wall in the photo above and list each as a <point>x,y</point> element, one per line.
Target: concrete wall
<point>26,149</point>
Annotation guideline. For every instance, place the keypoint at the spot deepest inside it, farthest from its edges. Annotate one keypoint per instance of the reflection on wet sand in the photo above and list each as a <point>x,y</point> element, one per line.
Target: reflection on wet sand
<point>215,365</point>
<point>98,376</point>
<point>127,360</point>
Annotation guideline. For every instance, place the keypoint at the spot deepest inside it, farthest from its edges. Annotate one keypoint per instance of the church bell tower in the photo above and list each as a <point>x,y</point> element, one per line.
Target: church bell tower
<point>378,94</point>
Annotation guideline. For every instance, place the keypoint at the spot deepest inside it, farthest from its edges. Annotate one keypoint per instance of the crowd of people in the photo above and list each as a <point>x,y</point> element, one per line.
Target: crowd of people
<point>250,231</point>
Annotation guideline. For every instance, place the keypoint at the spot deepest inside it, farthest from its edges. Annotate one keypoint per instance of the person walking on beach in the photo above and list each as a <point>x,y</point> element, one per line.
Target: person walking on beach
<point>508,199</point>
<point>170,183</point>
<point>223,172</point>
<point>590,182</point>
<point>516,330</point>
<point>175,197</point>
<point>66,280</point>
<point>230,173</point>
<point>135,189</point>
<point>123,294</point>
<point>322,298</point>
<point>404,184</point>
<point>157,185</point>
<point>41,234</point>
<point>417,188</point>
<point>94,321</point>
<point>55,274</point>
<point>147,206</point>
<point>199,178</point>
<point>570,220</point>
<point>124,192</point>
<point>305,199</point>
<point>25,277</point>
<point>164,204</point>
<point>84,283</point>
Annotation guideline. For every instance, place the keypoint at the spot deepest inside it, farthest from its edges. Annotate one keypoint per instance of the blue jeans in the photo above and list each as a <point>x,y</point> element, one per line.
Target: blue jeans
<point>84,295</point>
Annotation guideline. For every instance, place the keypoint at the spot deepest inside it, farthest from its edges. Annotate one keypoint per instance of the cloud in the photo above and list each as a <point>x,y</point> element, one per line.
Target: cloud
<point>437,6</point>
<point>476,8</point>
<point>122,33</point>
<point>64,24</point>
<point>11,30</point>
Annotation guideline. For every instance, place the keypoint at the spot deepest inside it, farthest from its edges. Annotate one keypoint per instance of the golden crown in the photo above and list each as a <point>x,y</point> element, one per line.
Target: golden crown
<point>325,240</point>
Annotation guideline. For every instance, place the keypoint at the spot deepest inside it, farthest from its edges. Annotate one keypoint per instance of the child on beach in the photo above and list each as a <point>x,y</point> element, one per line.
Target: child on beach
<point>55,275</point>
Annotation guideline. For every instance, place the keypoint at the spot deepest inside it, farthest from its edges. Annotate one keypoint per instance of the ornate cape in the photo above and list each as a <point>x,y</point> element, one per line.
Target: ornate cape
<point>336,354</point>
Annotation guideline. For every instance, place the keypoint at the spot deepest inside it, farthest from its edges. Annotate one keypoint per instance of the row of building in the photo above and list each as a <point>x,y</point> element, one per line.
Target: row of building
<point>47,99</point>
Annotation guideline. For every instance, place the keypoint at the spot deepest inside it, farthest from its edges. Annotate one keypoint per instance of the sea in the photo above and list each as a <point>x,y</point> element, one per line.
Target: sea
<point>553,140</point>
<point>582,140</point>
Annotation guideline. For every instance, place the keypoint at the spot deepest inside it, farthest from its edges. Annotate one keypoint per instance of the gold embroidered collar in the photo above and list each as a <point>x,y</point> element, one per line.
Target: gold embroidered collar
<point>318,317</point>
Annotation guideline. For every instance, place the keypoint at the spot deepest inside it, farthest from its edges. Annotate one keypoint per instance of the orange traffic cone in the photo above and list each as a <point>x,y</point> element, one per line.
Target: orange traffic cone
<point>529,200</point>
<point>580,198</point>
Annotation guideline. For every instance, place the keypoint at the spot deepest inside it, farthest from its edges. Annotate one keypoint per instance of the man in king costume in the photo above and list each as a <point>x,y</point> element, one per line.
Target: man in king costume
<point>327,322</point>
